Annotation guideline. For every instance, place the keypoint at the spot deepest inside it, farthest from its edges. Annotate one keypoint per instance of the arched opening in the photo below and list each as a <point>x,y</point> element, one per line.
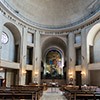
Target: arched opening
<point>10,43</point>
<point>10,52</point>
<point>92,43</point>
<point>53,59</point>
<point>96,48</point>
<point>7,40</point>
<point>93,51</point>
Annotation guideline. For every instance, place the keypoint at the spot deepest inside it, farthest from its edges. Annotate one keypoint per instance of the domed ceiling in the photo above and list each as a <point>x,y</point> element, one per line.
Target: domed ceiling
<point>54,12</point>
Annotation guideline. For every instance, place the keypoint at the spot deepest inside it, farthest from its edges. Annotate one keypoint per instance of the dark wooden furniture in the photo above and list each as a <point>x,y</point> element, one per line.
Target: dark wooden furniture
<point>74,93</point>
<point>22,92</point>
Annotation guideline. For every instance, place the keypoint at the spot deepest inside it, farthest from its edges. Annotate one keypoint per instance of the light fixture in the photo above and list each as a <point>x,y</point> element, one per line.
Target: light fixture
<point>23,71</point>
<point>35,73</point>
<point>83,73</point>
<point>1,69</point>
<point>70,75</point>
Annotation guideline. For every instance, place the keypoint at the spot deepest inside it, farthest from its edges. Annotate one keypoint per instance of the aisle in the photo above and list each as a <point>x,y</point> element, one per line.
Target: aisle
<point>53,95</point>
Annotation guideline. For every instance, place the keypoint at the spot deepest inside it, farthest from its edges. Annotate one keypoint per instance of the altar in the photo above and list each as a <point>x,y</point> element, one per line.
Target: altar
<point>49,81</point>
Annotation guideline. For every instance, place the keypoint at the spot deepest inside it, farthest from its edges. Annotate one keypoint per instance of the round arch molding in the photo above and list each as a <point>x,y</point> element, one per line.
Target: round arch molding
<point>15,31</point>
<point>54,42</point>
<point>54,45</point>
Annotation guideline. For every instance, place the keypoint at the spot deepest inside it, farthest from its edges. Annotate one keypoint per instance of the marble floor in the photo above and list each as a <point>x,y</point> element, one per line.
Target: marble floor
<point>53,94</point>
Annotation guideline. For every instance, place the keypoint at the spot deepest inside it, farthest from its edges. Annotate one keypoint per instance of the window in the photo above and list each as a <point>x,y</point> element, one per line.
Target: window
<point>77,38</point>
<point>29,55</point>
<point>30,37</point>
<point>91,54</point>
<point>78,56</point>
<point>4,38</point>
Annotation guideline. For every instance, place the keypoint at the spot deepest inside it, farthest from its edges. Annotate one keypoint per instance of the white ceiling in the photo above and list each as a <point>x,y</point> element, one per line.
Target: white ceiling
<point>53,12</point>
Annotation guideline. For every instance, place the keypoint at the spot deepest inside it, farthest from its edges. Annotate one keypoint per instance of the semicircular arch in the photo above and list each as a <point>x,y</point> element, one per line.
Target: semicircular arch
<point>90,38</point>
<point>15,31</point>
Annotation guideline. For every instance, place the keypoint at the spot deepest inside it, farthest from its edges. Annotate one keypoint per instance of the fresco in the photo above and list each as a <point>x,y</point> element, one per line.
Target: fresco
<point>53,67</point>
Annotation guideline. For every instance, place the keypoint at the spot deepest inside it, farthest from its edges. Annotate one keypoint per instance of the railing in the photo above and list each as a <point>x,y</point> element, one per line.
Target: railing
<point>20,16</point>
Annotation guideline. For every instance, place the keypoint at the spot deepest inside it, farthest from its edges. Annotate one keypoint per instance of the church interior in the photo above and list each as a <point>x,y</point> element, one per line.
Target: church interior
<point>50,45</point>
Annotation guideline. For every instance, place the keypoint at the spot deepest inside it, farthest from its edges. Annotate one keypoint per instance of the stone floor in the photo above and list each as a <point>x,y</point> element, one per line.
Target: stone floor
<point>53,94</point>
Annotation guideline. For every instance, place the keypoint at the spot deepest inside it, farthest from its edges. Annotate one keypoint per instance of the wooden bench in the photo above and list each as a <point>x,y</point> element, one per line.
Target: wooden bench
<point>73,93</point>
<point>21,92</point>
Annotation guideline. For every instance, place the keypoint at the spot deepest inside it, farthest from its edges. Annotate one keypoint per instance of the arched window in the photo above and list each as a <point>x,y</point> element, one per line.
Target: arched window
<point>7,40</point>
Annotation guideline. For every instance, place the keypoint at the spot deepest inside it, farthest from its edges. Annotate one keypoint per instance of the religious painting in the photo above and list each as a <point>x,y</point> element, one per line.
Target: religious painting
<point>53,68</point>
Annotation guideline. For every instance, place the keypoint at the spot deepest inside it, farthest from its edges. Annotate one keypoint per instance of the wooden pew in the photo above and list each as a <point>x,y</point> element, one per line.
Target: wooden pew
<point>73,92</point>
<point>12,95</point>
<point>21,92</point>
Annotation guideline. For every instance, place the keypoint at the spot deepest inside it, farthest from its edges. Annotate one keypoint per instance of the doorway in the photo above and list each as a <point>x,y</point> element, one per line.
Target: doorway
<point>78,78</point>
<point>28,77</point>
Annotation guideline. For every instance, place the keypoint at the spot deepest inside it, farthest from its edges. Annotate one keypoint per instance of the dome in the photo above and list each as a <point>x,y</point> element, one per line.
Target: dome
<point>55,13</point>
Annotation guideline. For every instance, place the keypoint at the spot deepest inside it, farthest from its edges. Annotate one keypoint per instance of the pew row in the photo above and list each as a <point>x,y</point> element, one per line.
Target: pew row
<point>74,93</point>
<point>21,92</point>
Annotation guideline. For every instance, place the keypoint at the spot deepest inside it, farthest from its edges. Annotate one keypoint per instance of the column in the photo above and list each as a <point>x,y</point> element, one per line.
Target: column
<point>23,50</point>
<point>85,76</point>
<point>71,52</point>
<point>37,59</point>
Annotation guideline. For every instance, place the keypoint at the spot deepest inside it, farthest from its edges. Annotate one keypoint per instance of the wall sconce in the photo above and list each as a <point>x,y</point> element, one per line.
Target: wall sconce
<point>83,73</point>
<point>23,71</point>
<point>70,75</point>
<point>1,69</point>
<point>70,78</point>
<point>36,73</point>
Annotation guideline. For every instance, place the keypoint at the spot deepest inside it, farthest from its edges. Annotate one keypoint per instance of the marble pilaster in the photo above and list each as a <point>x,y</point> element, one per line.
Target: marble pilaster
<point>85,76</point>
<point>22,70</point>
<point>71,51</point>
<point>36,73</point>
